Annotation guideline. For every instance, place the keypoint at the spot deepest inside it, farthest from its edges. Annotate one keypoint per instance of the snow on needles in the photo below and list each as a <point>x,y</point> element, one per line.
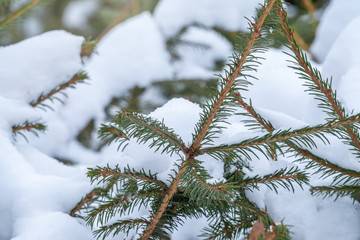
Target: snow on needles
<point>38,191</point>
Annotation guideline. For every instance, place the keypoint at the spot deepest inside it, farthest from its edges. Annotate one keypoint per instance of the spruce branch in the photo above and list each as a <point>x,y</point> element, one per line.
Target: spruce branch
<point>226,230</point>
<point>107,174</point>
<point>208,121</point>
<point>121,226</point>
<point>323,166</point>
<point>194,181</point>
<point>256,120</point>
<point>210,116</point>
<point>165,202</point>
<point>88,48</point>
<point>300,136</point>
<point>28,127</point>
<point>85,200</point>
<point>327,168</point>
<point>321,89</point>
<point>282,177</point>
<point>144,129</point>
<point>77,78</point>
<point>18,13</point>
<point>337,191</point>
<point>121,204</point>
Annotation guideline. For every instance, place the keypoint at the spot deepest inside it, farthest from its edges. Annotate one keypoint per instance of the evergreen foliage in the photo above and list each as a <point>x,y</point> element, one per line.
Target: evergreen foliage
<point>190,193</point>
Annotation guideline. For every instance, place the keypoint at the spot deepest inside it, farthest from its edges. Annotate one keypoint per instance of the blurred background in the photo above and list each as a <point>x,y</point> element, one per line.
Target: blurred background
<point>94,18</point>
<point>91,18</point>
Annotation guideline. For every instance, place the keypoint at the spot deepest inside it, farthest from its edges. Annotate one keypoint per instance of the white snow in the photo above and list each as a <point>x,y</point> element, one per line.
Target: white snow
<point>198,53</point>
<point>24,76</point>
<point>335,18</point>
<point>173,15</point>
<point>76,13</point>
<point>279,89</point>
<point>345,73</point>
<point>38,191</point>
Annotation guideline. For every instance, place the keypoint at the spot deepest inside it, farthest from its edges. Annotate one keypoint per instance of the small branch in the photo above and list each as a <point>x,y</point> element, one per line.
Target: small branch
<point>79,77</point>
<point>210,187</point>
<point>19,12</point>
<point>231,81</point>
<point>324,162</point>
<point>88,48</point>
<point>28,127</point>
<point>342,191</point>
<point>157,131</point>
<point>276,138</point>
<point>117,133</point>
<point>123,201</point>
<point>271,179</point>
<point>108,172</point>
<point>88,198</point>
<point>165,202</point>
<point>327,92</point>
<point>266,125</point>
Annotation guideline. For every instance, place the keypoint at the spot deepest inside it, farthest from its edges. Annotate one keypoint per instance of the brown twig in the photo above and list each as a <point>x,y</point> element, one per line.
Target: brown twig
<point>266,125</point>
<point>107,172</point>
<point>165,202</point>
<point>74,80</point>
<point>19,12</point>
<point>324,162</point>
<point>27,127</point>
<point>95,192</point>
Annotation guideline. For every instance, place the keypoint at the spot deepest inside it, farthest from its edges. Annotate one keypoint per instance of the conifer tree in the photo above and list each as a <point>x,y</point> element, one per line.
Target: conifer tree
<point>189,192</point>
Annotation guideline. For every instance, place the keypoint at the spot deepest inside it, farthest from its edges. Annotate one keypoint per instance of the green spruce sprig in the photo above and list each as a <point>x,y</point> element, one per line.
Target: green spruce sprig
<point>190,179</point>
<point>320,88</point>
<point>323,91</point>
<point>28,127</point>
<point>192,191</point>
<point>77,78</point>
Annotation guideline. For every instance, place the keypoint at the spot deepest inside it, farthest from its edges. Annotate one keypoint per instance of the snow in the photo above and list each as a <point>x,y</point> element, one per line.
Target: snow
<point>24,81</point>
<point>173,15</point>
<point>336,17</point>
<point>77,13</point>
<point>276,83</point>
<point>38,191</point>
<point>345,74</point>
<point>179,114</point>
<point>198,53</point>
<point>54,225</point>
